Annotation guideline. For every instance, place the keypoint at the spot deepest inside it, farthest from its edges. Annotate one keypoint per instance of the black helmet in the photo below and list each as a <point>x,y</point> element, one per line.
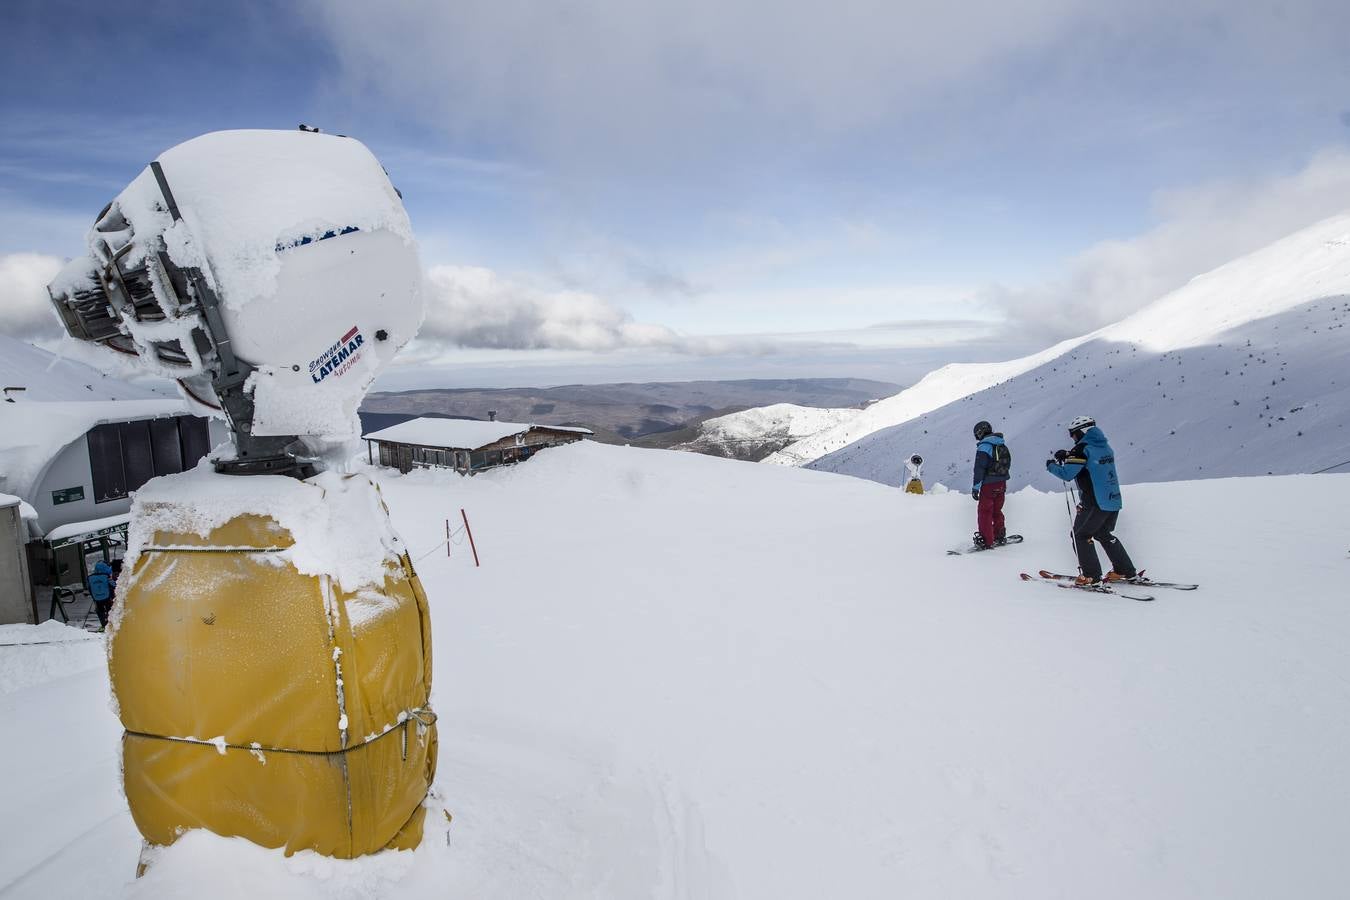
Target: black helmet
<point>983,430</point>
<point>916,459</point>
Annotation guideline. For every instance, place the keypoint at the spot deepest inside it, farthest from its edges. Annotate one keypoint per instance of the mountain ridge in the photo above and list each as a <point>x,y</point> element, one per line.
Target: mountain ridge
<point>1286,303</point>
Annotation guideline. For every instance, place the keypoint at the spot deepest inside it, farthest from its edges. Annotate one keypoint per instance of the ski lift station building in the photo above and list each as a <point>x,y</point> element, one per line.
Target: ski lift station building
<point>465,445</point>
<point>75,464</point>
<point>74,444</point>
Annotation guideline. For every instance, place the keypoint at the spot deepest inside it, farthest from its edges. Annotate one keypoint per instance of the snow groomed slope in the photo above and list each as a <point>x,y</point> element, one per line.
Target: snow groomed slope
<point>677,676</point>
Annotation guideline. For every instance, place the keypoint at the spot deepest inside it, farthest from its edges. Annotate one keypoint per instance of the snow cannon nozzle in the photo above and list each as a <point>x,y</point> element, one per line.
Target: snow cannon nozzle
<point>232,267</point>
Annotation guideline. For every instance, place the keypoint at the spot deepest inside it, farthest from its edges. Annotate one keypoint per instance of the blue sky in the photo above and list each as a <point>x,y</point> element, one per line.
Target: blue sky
<point>726,189</point>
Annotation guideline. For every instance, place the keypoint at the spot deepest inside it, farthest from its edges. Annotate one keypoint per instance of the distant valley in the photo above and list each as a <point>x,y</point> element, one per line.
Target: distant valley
<point>655,414</point>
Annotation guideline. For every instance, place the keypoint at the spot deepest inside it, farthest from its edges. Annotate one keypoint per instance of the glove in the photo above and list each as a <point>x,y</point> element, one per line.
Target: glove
<point>1061,455</point>
<point>975,493</point>
<point>1049,463</point>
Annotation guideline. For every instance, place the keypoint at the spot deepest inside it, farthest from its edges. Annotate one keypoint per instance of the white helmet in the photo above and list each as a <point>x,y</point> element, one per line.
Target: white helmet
<point>1082,423</point>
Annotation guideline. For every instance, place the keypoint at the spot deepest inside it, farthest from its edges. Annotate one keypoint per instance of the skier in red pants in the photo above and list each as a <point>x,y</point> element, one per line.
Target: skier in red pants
<point>993,460</point>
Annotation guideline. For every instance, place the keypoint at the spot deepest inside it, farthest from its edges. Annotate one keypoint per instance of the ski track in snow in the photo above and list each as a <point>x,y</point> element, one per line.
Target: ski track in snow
<point>683,677</point>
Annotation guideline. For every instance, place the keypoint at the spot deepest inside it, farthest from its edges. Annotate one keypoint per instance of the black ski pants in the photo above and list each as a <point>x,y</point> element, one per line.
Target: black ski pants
<point>1091,524</point>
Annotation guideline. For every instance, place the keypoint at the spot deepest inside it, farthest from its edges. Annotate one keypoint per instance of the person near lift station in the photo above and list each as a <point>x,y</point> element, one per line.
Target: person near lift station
<point>993,462</point>
<point>1091,464</point>
<point>100,586</point>
<point>914,474</point>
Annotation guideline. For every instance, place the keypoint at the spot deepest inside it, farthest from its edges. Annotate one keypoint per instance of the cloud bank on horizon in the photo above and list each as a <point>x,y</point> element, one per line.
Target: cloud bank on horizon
<point>758,180</point>
<point>476,308</point>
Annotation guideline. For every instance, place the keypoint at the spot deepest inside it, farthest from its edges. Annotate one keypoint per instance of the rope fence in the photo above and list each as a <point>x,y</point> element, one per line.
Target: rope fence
<point>451,539</point>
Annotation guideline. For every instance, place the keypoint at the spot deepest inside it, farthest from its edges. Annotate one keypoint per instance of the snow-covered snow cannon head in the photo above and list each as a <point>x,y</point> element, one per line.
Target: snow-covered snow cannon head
<point>272,274</point>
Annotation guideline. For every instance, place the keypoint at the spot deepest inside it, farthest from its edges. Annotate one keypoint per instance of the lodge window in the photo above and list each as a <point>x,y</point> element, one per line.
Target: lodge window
<point>123,456</point>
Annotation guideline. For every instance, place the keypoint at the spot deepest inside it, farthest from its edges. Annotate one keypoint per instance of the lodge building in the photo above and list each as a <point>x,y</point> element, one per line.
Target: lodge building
<point>467,446</point>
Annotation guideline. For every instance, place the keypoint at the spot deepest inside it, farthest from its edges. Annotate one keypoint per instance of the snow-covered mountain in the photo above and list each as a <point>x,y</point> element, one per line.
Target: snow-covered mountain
<point>1245,370</point>
<point>682,677</point>
<point>753,434</point>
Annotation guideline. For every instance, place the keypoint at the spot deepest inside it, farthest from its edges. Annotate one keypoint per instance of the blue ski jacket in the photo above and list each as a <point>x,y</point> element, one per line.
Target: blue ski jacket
<point>1093,463</point>
<point>100,583</point>
<point>985,470</point>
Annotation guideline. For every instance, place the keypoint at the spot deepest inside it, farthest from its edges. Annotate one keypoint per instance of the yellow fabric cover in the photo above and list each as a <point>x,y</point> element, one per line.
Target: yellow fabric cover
<point>915,486</point>
<point>233,672</point>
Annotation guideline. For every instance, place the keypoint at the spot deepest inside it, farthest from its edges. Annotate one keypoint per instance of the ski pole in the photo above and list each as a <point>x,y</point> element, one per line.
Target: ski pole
<point>1329,468</point>
<point>1068,505</point>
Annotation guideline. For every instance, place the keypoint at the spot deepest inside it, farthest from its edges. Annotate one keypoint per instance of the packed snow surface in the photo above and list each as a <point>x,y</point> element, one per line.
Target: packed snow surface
<point>677,676</point>
<point>32,655</point>
<point>1282,299</point>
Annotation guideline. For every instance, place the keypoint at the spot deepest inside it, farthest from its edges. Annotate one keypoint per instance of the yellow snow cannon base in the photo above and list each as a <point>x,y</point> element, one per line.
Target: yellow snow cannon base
<point>268,704</point>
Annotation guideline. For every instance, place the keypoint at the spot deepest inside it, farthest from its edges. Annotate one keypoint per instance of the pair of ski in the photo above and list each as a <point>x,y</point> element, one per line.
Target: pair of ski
<point>1130,589</point>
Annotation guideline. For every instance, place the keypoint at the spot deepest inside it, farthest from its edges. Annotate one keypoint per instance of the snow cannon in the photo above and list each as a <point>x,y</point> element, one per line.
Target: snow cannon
<point>269,647</point>
<point>272,666</point>
<point>272,274</point>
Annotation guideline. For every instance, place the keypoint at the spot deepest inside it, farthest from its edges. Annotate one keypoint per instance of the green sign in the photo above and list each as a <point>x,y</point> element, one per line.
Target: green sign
<point>67,495</point>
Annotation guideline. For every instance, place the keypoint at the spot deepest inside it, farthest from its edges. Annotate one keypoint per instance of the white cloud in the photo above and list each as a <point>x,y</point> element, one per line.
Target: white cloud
<point>1200,228</point>
<point>470,306</point>
<point>475,314</point>
<point>25,308</point>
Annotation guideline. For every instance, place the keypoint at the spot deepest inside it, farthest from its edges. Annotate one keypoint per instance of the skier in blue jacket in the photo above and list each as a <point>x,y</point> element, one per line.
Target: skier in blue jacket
<point>101,590</point>
<point>1092,465</point>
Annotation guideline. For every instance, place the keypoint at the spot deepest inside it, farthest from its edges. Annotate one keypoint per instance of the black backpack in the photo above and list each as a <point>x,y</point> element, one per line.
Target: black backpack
<point>1001,460</point>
